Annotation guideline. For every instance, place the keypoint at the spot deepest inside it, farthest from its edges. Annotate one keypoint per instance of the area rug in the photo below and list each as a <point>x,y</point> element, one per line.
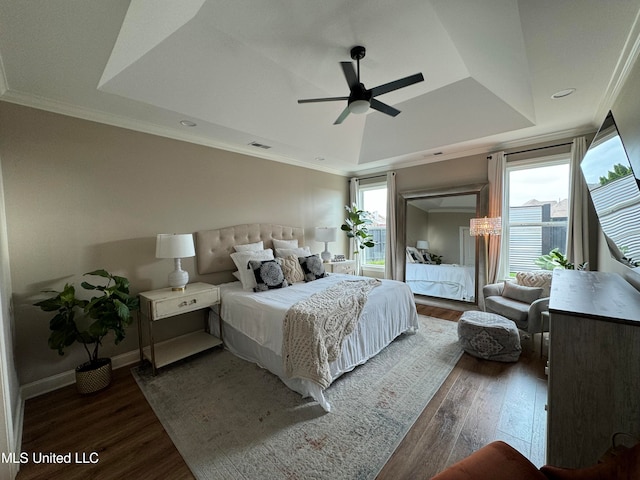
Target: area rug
<point>230,419</point>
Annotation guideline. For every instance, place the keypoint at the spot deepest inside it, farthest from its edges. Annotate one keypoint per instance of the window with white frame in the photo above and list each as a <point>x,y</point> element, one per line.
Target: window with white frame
<point>535,222</point>
<point>373,199</point>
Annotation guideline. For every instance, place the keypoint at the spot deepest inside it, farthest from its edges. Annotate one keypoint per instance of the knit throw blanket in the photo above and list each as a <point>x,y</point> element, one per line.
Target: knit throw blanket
<point>315,328</point>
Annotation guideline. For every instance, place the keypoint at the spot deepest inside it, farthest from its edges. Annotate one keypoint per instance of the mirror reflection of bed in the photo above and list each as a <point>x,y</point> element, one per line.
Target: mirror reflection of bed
<point>440,253</point>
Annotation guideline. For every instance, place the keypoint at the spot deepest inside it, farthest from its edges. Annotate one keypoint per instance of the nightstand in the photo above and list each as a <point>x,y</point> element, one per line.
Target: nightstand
<point>157,305</point>
<point>346,266</point>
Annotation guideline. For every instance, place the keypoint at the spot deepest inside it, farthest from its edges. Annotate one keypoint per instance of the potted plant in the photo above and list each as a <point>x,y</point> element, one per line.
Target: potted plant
<point>88,322</point>
<point>356,226</point>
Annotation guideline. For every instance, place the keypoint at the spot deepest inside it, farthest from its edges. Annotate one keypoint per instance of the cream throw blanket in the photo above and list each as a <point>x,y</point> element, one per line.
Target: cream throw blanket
<point>315,328</point>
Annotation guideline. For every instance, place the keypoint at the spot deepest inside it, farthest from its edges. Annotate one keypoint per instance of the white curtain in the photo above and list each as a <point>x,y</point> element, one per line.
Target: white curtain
<point>390,249</point>
<point>496,170</point>
<point>354,187</point>
<point>578,227</point>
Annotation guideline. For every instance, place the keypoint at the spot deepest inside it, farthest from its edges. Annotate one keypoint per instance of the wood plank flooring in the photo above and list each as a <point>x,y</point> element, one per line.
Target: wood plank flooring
<point>479,402</point>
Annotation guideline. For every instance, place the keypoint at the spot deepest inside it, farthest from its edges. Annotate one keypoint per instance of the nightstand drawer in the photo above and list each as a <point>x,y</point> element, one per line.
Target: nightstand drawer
<point>348,268</point>
<point>185,303</point>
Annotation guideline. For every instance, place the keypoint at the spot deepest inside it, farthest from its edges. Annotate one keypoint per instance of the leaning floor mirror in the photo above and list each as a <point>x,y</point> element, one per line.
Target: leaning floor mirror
<point>437,256</point>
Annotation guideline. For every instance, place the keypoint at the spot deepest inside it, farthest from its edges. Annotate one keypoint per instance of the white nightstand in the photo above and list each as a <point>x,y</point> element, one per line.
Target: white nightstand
<point>164,303</point>
<point>346,266</point>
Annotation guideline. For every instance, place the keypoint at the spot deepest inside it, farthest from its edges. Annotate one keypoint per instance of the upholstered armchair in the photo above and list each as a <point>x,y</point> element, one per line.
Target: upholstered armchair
<point>522,300</point>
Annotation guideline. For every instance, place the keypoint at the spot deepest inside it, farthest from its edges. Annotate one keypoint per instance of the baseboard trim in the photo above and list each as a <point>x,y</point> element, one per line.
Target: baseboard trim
<point>54,382</point>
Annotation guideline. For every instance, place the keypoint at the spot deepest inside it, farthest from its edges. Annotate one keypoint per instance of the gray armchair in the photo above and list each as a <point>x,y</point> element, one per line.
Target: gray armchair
<point>523,301</point>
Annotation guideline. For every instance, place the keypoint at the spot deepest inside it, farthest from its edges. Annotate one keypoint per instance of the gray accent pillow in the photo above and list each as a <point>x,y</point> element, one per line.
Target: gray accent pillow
<point>312,267</point>
<point>521,293</point>
<point>268,274</point>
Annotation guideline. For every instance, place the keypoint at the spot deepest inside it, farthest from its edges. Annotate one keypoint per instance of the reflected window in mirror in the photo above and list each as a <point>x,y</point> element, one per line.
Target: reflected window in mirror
<point>537,193</point>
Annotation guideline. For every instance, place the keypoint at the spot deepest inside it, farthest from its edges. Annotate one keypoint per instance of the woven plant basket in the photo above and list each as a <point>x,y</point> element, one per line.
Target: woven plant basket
<point>93,377</point>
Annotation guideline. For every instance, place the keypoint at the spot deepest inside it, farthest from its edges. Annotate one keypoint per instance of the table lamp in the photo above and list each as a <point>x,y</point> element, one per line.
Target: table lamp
<point>176,246</point>
<point>326,235</point>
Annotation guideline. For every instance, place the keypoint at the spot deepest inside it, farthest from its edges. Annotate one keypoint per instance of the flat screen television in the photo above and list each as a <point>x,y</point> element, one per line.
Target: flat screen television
<point>615,192</point>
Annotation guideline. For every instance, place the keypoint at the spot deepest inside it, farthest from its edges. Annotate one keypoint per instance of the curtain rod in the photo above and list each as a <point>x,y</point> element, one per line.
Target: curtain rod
<point>540,148</point>
<point>372,176</point>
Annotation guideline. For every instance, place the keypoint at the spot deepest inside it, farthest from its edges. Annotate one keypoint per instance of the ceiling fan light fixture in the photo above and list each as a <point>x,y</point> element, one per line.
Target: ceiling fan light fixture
<point>359,107</point>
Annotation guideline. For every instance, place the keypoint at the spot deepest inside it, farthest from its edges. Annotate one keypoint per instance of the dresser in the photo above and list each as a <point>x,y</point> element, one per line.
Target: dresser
<point>594,365</point>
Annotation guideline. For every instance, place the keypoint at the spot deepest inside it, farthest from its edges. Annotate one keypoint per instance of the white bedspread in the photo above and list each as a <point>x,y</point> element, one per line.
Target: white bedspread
<point>449,281</point>
<point>254,325</point>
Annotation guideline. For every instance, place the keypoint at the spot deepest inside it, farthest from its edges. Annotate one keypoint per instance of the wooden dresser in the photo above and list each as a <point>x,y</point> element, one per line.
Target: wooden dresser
<point>594,365</point>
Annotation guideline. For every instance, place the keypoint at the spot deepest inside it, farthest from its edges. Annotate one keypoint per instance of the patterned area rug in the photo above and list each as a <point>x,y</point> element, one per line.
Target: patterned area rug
<point>230,419</point>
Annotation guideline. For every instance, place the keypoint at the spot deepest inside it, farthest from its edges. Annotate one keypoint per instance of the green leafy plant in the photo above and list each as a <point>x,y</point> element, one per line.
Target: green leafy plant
<point>89,321</point>
<point>556,259</point>
<point>618,171</point>
<point>356,226</point>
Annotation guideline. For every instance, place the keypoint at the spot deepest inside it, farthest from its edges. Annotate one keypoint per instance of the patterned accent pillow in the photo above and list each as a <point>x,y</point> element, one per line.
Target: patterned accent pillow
<point>268,274</point>
<point>291,268</point>
<point>536,279</point>
<point>312,267</point>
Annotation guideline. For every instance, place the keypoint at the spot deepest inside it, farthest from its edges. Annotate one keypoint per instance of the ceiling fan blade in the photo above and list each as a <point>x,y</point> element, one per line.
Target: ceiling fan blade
<point>342,116</point>
<point>328,99</point>
<point>350,74</point>
<point>391,86</point>
<point>384,108</point>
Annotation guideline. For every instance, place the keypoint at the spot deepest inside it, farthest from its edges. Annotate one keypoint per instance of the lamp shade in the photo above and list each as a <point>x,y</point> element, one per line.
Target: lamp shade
<point>326,234</point>
<point>485,226</point>
<point>422,245</point>
<point>172,245</point>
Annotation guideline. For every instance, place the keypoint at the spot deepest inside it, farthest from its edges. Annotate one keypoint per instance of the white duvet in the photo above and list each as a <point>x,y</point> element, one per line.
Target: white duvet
<point>253,325</point>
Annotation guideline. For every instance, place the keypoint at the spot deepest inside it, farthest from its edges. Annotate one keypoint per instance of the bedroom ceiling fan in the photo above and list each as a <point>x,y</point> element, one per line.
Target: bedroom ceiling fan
<point>360,98</point>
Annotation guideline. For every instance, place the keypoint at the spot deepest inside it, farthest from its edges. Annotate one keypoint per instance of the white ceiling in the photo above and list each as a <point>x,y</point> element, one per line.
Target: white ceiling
<point>237,69</point>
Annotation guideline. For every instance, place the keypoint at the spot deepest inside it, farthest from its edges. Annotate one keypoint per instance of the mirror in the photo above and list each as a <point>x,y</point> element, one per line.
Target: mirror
<point>440,257</point>
<point>615,193</point>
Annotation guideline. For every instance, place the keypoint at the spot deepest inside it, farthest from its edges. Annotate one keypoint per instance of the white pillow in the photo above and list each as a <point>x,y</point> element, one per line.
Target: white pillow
<point>285,243</point>
<point>298,252</point>
<point>250,247</point>
<point>241,259</point>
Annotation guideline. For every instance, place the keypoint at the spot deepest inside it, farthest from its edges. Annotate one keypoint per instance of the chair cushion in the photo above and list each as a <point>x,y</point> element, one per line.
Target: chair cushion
<point>489,336</point>
<point>521,293</point>
<point>496,461</point>
<point>507,307</point>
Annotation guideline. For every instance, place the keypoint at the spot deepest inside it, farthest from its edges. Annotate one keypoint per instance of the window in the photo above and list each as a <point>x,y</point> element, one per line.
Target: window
<point>373,199</point>
<point>537,194</point>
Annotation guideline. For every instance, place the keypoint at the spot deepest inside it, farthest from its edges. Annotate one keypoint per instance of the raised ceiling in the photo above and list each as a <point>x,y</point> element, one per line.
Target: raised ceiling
<point>236,70</point>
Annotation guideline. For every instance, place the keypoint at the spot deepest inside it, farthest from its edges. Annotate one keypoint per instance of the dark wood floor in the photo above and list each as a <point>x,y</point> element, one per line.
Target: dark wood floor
<point>479,402</point>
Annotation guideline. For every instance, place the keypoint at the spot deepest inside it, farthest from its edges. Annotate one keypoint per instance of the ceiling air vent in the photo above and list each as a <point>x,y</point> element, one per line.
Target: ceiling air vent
<point>259,145</point>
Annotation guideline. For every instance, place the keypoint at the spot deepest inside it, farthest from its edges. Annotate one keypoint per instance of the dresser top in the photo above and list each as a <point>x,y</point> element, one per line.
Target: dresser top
<point>600,295</point>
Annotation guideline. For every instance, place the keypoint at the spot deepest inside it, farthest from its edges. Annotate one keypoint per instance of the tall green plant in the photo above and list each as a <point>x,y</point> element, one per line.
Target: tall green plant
<point>356,227</point>
<point>89,321</point>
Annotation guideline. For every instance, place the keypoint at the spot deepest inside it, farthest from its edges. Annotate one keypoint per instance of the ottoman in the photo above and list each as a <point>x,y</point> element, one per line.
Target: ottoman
<point>489,336</point>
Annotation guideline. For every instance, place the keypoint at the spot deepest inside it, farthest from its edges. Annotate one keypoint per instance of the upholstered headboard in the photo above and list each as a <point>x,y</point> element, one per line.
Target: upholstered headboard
<point>214,247</point>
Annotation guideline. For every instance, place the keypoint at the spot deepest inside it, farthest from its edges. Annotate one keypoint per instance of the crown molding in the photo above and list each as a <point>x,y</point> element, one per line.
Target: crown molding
<point>98,116</point>
<point>625,63</point>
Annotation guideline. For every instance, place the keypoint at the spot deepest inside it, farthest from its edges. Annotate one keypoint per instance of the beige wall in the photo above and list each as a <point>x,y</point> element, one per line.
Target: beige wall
<point>81,196</point>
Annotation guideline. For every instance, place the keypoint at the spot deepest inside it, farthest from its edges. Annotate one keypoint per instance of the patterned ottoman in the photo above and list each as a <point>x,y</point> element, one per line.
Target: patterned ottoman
<point>489,336</point>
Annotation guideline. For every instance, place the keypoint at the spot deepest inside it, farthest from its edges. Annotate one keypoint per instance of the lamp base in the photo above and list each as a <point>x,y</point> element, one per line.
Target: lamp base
<point>326,255</point>
<point>178,279</point>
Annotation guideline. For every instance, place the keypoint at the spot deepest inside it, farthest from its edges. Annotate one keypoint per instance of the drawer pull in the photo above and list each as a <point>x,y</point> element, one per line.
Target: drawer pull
<point>185,303</point>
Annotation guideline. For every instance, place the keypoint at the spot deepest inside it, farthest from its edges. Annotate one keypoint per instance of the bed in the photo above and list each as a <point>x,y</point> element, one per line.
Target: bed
<point>447,280</point>
<point>253,323</point>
